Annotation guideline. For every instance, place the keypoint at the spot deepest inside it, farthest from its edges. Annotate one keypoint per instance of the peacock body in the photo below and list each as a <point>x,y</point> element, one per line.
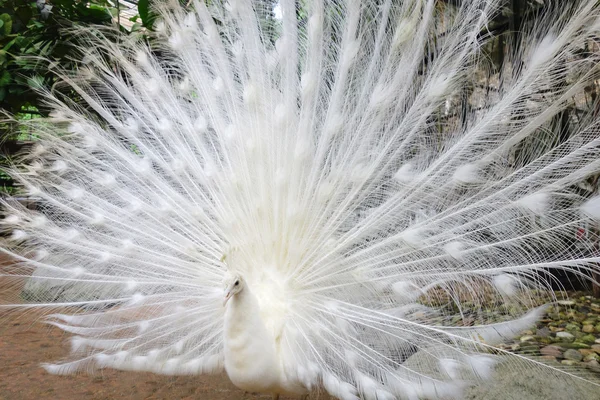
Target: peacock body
<point>319,162</point>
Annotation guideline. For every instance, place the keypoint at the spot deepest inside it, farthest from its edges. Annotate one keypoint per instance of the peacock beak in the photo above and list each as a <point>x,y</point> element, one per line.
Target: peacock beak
<point>227,297</point>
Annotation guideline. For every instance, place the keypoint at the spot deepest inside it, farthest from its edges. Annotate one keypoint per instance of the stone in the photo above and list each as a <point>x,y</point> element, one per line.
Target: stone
<point>589,339</point>
<point>566,302</point>
<point>593,365</point>
<point>572,327</point>
<point>527,339</point>
<point>569,362</point>
<point>565,336</point>
<point>553,351</point>
<point>591,357</point>
<point>583,313</point>
<point>545,340</point>
<point>575,345</point>
<point>553,315</point>
<point>573,355</point>
<point>596,348</point>
<point>543,332</point>
<point>588,328</point>
<point>586,352</point>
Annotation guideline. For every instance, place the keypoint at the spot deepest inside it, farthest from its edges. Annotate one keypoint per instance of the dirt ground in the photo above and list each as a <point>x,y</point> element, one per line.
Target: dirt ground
<point>26,343</point>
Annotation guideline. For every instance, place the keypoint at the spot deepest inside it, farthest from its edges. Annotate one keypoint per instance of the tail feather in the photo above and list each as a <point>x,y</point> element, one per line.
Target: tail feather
<point>345,158</point>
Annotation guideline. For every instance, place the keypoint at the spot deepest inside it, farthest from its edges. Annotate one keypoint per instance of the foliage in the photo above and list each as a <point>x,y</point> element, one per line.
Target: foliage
<point>31,34</point>
<point>30,30</point>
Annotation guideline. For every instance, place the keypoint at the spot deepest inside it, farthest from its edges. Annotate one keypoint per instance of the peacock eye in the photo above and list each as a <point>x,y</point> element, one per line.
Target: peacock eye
<point>237,283</point>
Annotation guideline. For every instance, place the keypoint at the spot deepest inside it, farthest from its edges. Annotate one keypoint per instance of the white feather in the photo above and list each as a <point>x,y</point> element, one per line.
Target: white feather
<point>363,170</point>
<point>592,207</point>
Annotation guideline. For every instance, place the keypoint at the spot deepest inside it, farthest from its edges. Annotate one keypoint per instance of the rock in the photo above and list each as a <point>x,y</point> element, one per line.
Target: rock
<point>596,348</point>
<point>591,357</point>
<point>593,365</point>
<point>545,340</point>
<point>589,339</point>
<point>572,327</point>
<point>573,355</point>
<point>527,339</point>
<point>584,311</point>
<point>575,345</point>
<point>597,327</point>
<point>569,362</point>
<point>588,328</point>
<point>553,351</point>
<point>597,341</point>
<point>586,352</point>
<point>565,336</point>
<point>566,302</point>
<point>543,332</point>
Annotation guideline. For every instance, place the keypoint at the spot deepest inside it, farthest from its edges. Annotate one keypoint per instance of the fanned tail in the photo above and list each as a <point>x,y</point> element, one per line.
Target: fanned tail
<point>346,160</point>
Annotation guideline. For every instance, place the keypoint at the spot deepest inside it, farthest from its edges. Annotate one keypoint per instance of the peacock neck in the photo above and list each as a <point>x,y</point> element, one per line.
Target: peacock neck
<point>249,347</point>
<point>242,307</point>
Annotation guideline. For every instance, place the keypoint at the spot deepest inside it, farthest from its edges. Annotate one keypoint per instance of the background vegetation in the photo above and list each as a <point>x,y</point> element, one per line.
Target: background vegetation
<point>32,32</point>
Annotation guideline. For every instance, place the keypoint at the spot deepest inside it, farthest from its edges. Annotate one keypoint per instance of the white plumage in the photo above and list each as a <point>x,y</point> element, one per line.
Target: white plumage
<point>342,164</point>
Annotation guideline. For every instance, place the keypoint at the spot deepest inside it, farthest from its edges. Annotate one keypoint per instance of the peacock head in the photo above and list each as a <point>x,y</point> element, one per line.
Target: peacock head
<point>234,283</point>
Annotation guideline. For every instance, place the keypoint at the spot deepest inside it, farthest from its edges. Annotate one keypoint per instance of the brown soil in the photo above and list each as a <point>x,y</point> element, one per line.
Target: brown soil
<point>26,343</point>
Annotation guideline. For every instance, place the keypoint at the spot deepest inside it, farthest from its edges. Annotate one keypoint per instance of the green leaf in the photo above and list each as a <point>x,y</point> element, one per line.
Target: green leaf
<point>143,9</point>
<point>7,22</point>
<point>5,78</point>
<point>8,45</point>
<point>146,14</point>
